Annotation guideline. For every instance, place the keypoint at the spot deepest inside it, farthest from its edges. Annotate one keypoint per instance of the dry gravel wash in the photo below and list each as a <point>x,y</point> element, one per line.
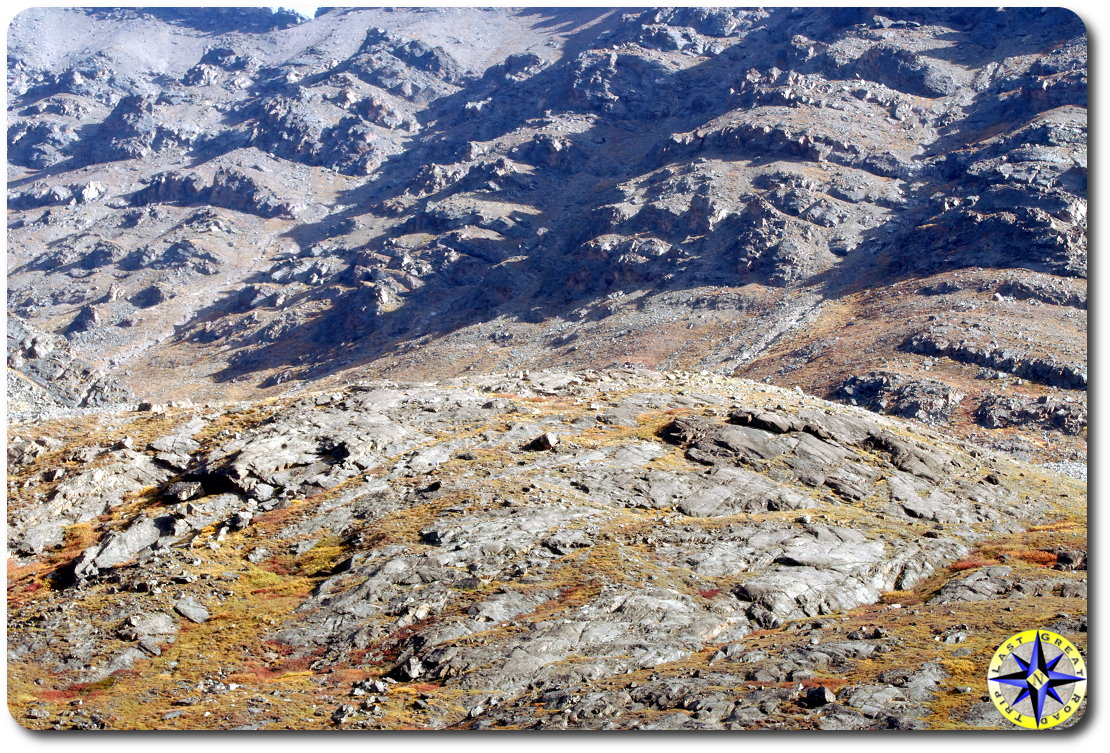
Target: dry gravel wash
<point>606,549</point>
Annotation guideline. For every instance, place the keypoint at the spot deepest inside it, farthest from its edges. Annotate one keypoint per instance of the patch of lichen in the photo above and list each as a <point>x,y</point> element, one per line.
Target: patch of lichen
<point>227,424</point>
<point>231,643</point>
<point>49,571</point>
<point>22,692</point>
<point>405,524</point>
<point>323,558</point>
<point>400,712</point>
<point>608,561</point>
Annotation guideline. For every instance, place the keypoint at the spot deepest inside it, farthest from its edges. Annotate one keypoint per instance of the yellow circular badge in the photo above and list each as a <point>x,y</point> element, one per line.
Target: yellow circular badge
<point>1037,679</point>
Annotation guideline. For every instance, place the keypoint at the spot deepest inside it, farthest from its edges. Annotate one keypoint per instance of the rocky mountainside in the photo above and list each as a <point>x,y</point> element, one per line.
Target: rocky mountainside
<point>889,209</point>
<point>541,367</point>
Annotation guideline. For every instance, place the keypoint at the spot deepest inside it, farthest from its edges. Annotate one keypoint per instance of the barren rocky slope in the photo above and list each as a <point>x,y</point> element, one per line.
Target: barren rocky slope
<point>541,368</point>
<point>599,550</point>
<point>845,200</point>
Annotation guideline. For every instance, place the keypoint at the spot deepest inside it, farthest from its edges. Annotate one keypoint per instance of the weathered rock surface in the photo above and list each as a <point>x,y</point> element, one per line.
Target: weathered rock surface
<point>936,342</point>
<point>526,577</point>
<point>998,583</point>
<point>1068,417</point>
<point>884,392</point>
<point>62,378</point>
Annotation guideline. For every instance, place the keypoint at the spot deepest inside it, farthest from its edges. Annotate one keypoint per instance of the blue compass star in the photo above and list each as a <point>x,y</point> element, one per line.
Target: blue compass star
<point>1037,678</point>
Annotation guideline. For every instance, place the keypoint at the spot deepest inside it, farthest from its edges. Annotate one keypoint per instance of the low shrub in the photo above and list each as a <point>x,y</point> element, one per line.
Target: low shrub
<point>1037,557</point>
<point>970,563</point>
<point>905,598</point>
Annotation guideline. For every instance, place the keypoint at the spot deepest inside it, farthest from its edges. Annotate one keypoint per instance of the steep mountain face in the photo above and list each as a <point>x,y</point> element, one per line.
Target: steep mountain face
<point>808,197</point>
<point>484,357</point>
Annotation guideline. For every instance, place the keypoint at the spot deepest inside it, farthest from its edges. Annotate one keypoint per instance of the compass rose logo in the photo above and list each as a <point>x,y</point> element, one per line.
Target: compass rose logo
<point>1037,679</point>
